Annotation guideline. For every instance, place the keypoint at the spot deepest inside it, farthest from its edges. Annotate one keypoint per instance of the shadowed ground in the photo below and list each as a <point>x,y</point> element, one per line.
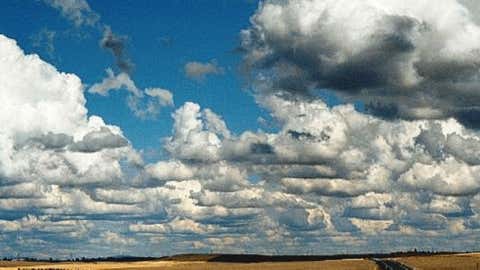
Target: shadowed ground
<point>354,264</point>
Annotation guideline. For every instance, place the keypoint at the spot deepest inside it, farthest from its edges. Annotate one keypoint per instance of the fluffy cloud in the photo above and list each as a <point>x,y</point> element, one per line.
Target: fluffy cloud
<point>175,226</point>
<point>191,139</point>
<point>169,170</point>
<point>329,174</point>
<point>51,145</point>
<point>398,58</point>
<point>337,169</point>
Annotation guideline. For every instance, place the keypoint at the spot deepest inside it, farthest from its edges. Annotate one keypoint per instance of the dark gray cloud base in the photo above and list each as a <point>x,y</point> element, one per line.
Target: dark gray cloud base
<point>116,45</point>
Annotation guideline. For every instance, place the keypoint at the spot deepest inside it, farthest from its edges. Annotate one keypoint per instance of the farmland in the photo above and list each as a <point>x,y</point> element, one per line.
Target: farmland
<point>469,261</point>
<point>465,261</point>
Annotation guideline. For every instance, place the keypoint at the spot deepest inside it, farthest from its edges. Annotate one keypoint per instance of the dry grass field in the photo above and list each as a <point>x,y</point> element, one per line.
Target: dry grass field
<point>437,262</point>
<point>175,265</point>
<point>444,262</point>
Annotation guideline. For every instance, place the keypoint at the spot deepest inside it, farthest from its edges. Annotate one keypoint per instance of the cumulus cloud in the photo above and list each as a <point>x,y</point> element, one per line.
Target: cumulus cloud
<point>198,70</point>
<point>367,175</point>
<point>395,57</point>
<point>443,178</point>
<point>329,174</point>
<point>51,120</point>
<point>191,140</point>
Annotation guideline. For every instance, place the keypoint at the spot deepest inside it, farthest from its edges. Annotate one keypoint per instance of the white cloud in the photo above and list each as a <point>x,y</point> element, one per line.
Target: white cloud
<point>44,224</point>
<point>190,139</point>
<point>113,239</point>
<point>361,172</point>
<point>371,226</point>
<point>50,118</point>
<point>169,170</point>
<point>114,82</point>
<point>329,173</point>
<point>154,98</point>
<point>446,178</point>
<point>165,97</point>
<point>175,226</point>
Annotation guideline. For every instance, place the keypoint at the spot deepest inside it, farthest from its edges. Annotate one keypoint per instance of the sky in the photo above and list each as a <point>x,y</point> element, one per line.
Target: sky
<point>151,128</point>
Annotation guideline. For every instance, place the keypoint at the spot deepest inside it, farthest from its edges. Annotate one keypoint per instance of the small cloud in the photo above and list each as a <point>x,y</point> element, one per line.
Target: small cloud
<point>77,11</point>
<point>116,44</point>
<point>144,103</point>
<point>164,97</point>
<point>44,40</point>
<point>113,239</point>
<point>114,82</point>
<point>198,70</point>
<point>166,41</point>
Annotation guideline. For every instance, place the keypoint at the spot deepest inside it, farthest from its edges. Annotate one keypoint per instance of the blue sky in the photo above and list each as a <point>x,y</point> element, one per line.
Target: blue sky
<point>162,38</point>
<point>282,127</point>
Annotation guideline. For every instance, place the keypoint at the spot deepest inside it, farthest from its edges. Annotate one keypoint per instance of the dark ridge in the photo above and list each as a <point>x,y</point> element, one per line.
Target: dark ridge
<point>240,258</point>
<point>254,258</point>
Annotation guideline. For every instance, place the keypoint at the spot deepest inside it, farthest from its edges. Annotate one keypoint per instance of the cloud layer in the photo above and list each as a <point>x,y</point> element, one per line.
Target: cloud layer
<point>326,179</point>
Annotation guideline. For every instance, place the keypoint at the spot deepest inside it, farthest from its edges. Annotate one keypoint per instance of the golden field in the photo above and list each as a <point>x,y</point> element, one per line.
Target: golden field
<point>176,265</point>
<point>470,261</point>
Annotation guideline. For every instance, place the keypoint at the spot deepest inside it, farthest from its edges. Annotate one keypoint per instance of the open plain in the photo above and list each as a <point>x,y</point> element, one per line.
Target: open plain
<point>463,261</point>
<point>467,261</point>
